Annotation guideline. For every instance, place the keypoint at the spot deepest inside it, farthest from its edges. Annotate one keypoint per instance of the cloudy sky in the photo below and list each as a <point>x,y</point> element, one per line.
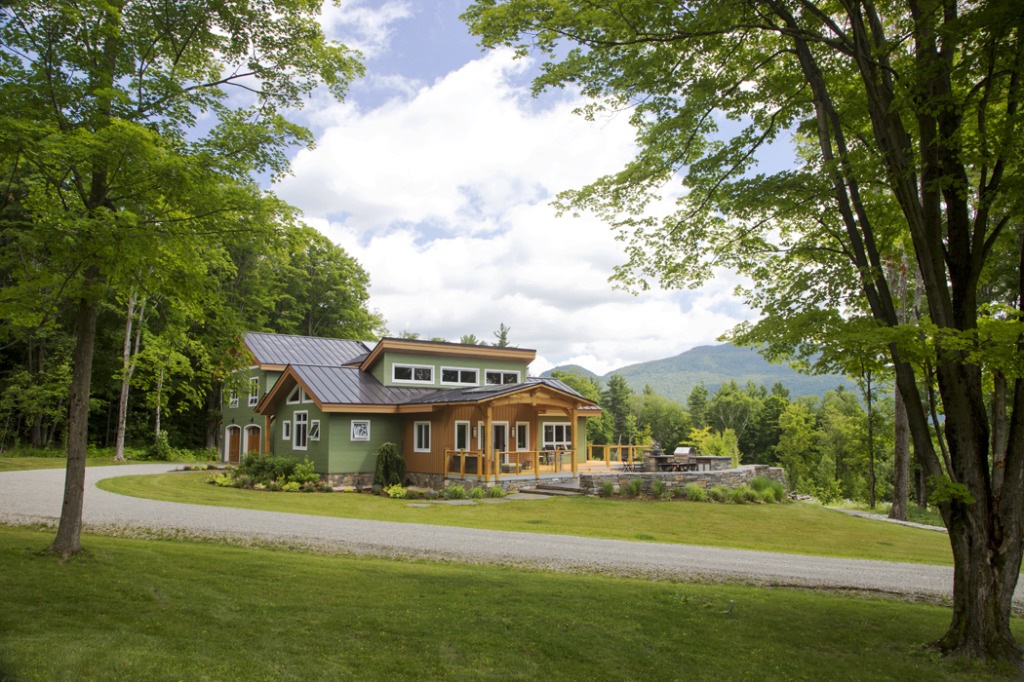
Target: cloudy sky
<point>437,174</point>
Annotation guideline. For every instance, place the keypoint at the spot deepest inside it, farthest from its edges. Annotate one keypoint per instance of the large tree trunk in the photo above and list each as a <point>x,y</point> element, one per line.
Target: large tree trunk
<point>68,540</point>
<point>901,462</point>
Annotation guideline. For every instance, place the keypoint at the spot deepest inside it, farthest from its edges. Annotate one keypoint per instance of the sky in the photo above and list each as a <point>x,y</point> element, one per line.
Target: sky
<point>437,174</point>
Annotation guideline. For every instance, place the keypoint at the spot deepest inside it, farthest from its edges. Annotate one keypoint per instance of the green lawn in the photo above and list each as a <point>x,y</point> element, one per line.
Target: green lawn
<point>795,528</point>
<point>161,610</point>
<point>26,463</point>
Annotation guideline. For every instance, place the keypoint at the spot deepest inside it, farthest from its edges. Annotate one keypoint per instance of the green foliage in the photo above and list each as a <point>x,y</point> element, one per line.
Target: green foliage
<point>396,492</point>
<point>477,493</point>
<point>272,473</point>
<point>658,488</point>
<point>496,491</point>
<point>607,489</point>
<point>719,493</point>
<point>943,490</point>
<point>454,492</point>
<point>744,494</point>
<point>695,492</point>
<point>828,491</point>
<point>634,487</point>
<point>771,490</point>
<point>390,468</point>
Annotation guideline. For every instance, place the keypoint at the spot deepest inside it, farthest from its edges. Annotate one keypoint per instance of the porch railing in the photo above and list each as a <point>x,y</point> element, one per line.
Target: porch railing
<point>473,463</point>
<point>621,456</point>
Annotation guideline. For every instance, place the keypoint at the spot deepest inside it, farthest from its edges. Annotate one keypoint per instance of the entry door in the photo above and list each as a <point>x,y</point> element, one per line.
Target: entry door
<point>252,439</point>
<point>234,443</point>
<point>499,439</point>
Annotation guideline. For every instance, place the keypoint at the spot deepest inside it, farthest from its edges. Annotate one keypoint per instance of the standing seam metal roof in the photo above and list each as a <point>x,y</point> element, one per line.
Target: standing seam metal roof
<point>281,349</point>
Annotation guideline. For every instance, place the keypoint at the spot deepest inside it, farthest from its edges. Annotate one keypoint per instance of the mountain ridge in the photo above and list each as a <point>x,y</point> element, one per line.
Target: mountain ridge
<point>676,376</point>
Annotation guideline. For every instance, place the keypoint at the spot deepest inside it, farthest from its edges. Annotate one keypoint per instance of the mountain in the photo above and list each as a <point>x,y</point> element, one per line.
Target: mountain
<point>675,377</point>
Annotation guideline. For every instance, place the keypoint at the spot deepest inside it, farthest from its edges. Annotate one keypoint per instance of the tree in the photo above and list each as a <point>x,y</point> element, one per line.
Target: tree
<point>907,122</point>
<point>666,419</point>
<point>469,340</point>
<point>502,336</point>
<point>615,401</point>
<point>98,109</point>
<point>697,405</point>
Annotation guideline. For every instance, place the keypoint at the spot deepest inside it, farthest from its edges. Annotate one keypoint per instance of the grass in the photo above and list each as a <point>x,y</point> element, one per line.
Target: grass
<point>170,610</point>
<point>26,463</point>
<point>793,528</point>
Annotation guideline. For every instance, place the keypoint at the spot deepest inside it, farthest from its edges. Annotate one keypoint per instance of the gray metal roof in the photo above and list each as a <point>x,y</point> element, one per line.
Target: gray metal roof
<point>350,386</point>
<point>282,349</point>
<point>478,393</point>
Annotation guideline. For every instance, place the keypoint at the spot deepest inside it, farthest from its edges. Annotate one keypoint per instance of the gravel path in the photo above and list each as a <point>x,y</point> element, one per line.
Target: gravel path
<point>35,496</point>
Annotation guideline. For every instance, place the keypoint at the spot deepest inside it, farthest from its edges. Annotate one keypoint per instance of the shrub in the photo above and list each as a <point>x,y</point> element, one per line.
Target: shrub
<point>224,480</point>
<point>291,487</point>
<point>695,492</point>
<point>658,488</point>
<point>477,493</point>
<point>634,487</point>
<point>390,466</point>
<point>607,489</point>
<point>745,495</point>
<point>495,491</point>
<point>274,473</point>
<point>160,450</point>
<point>431,495</point>
<point>719,493</point>
<point>828,493</point>
<point>454,492</point>
<point>396,492</point>
<point>770,489</point>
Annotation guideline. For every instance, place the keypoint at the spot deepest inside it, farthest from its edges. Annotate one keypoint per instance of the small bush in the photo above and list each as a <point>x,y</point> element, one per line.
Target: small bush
<point>454,492</point>
<point>224,480</point>
<point>770,489</point>
<point>477,493</point>
<point>291,487</point>
<point>634,487</point>
<point>695,492</point>
<point>431,495</point>
<point>607,489</point>
<point>745,495</point>
<point>396,492</point>
<point>719,493</point>
<point>495,491</point>
<point>658,487</point>
<point>390,465</point>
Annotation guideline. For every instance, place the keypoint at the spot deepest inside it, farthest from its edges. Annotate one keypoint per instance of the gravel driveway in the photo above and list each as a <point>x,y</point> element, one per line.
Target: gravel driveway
<point>34,496</point>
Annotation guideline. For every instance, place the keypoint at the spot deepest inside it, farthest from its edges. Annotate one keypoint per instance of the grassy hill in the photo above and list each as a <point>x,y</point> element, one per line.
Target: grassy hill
<point>675,377</point>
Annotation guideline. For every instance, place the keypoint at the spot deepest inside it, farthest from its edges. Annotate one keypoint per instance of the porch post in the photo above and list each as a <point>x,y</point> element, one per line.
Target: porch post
<point>266,434</point>
<point>574,443</point>
<point>486,465</point>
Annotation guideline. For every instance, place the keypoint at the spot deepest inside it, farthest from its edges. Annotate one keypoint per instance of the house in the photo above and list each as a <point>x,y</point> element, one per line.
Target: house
<point>453,410</point>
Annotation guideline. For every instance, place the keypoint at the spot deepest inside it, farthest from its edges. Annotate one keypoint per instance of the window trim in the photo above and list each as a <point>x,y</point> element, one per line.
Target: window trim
<point>314,430</point>
<point>503,372</point>
<point>297,392</point>
<point>359,437</point>
<point>414,380</point>
<point>555,440</point>
<point>254,395</point>
<point>233,398</point>
<point>300,429</point>
<point>526,446</point>
<point>416,444</point>
<point>286,430</point>
<point>469,434</point>
<point>460,370</point>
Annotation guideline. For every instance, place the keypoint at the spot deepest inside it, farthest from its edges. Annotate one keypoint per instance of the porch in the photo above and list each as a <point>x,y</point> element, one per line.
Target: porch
<point>550,462</point>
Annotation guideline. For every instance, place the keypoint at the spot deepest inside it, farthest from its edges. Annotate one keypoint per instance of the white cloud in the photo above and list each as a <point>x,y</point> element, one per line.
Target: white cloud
<point>366,28</point>
<point>444,197</point>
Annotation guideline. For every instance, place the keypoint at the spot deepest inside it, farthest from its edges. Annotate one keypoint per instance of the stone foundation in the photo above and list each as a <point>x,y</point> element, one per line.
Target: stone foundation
<point>362,480</point>
<point>730,478</point>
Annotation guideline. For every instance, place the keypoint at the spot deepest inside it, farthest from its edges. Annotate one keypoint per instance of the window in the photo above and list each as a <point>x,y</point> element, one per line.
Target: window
<point>254,390</point>
<point>300,439</point>
<point>460,376</point>
<point>286,430</point>
<point>314,429</point>
<point>421,437</point>
<point>498,378</point>
<point>558,436</point>
<point>462,435</point>
<point>360,429</point>
<point>422,374</point>
<point>233,399</point>
<point>295,396</point>
<point>522,436</point>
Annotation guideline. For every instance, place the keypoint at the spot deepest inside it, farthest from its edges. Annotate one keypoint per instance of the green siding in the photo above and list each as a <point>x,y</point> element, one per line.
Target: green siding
<point>382,369</point>
<point>348,456</point>
<point>316,451</point>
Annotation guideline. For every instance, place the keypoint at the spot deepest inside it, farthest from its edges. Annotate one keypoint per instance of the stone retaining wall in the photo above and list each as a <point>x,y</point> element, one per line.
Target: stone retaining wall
<point>730,478</point>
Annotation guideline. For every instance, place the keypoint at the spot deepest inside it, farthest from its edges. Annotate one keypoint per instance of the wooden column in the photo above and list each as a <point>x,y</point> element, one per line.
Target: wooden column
<point>487,464</point>
<point>574,442</point>
<point>266,435</point>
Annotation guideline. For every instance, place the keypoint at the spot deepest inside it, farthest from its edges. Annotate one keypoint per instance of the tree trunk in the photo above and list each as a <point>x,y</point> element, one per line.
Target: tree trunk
<point>901,462</point>
<point>159,397</point>
<point>68,540</point>
<point>127,369</point>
